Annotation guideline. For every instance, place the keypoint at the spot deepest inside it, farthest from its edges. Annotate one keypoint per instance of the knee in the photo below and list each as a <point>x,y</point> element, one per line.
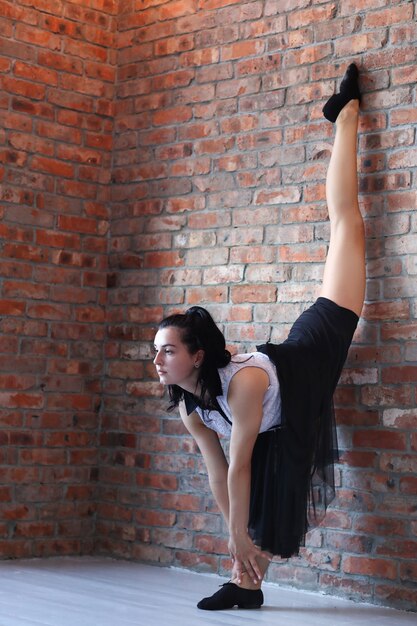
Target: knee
<point>349,222</point>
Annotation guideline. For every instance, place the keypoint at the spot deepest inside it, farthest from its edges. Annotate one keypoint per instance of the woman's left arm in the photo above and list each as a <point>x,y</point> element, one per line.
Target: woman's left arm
<point>245,398</point>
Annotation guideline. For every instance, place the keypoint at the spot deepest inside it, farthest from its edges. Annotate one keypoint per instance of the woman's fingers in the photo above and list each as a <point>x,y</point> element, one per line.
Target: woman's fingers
<point>240,569</point>
<point>254,571</point>
<point>266,555</point>
<point>251,567</point>
<point>255,565</point>
<point>257,570</point>
<point>245,561</point>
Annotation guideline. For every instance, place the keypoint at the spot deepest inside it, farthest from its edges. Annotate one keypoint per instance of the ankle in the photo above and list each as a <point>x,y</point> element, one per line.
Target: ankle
<point>246,583</point>
<point>350,112</point>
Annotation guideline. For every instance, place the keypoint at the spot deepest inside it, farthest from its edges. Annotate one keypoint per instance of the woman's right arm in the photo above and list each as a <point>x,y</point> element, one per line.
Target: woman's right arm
<point>213,455</point>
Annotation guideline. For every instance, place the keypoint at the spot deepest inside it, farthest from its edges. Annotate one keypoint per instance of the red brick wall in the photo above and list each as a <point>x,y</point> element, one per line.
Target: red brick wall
<point>215,161</point>
<point>57,85</point>
<point>219,161</point>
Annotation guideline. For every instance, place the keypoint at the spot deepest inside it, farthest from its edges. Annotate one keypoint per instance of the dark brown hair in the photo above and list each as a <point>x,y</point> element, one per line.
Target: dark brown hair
<point>199,332</point>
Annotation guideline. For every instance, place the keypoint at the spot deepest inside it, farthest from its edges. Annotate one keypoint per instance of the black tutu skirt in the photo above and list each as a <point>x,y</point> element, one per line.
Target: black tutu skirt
<point>293,465</point>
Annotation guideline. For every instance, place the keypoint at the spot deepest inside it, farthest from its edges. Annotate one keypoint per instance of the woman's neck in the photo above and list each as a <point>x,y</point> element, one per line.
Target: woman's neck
<point>192,385</point>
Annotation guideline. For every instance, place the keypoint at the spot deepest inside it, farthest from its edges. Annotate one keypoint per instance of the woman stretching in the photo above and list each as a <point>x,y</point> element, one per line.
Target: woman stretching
<point>276,403</point>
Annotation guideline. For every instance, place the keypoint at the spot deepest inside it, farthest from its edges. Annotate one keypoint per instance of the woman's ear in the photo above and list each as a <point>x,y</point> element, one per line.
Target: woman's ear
<point>199,358</point>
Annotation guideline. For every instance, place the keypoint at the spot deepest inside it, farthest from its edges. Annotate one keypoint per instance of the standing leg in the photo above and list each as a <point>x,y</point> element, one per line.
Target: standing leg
<point>344,272</point>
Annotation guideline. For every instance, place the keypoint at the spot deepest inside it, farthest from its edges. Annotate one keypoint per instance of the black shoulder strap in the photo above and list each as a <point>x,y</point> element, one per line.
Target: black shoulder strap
<point>222,413</point>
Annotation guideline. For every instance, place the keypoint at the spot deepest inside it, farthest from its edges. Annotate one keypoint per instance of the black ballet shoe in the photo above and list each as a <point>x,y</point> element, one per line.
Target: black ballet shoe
<point>229,595</point>
<point>349,90</point>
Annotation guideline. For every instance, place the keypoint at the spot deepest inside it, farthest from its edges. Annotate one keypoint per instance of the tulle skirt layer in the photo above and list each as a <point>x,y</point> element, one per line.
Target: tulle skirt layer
<point>293,465</point>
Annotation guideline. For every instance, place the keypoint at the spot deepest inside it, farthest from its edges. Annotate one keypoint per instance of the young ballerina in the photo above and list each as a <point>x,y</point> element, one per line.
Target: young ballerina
<point>276,403</point>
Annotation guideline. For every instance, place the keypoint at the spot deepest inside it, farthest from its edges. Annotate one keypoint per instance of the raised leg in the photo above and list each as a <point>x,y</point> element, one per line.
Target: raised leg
<point>344,272</point>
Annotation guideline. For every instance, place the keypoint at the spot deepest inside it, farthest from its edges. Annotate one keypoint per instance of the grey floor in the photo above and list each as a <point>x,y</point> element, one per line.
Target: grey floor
<point>95,591</point>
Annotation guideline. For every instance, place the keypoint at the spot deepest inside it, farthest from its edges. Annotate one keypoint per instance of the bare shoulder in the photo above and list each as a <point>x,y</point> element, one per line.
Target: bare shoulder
<point>249,380</point>
<point>188,418</point>
<point>206,439</point>
<point>246,393</point>
<point>192,421</point>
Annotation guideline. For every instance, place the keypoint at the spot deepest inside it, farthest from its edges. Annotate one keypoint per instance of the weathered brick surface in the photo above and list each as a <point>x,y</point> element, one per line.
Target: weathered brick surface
<point>219,159</point>
<point>55,155</point>
<point>155,155</point>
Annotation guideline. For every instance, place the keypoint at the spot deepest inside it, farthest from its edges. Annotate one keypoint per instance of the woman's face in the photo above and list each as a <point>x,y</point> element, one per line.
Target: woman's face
<point>174,364</point>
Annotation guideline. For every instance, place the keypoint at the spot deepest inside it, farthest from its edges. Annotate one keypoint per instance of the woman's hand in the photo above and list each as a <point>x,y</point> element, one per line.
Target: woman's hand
<point>244,554</point>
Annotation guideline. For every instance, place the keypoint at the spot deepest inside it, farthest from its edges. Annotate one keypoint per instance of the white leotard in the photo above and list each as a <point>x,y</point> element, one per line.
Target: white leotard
<point>272,399</point>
